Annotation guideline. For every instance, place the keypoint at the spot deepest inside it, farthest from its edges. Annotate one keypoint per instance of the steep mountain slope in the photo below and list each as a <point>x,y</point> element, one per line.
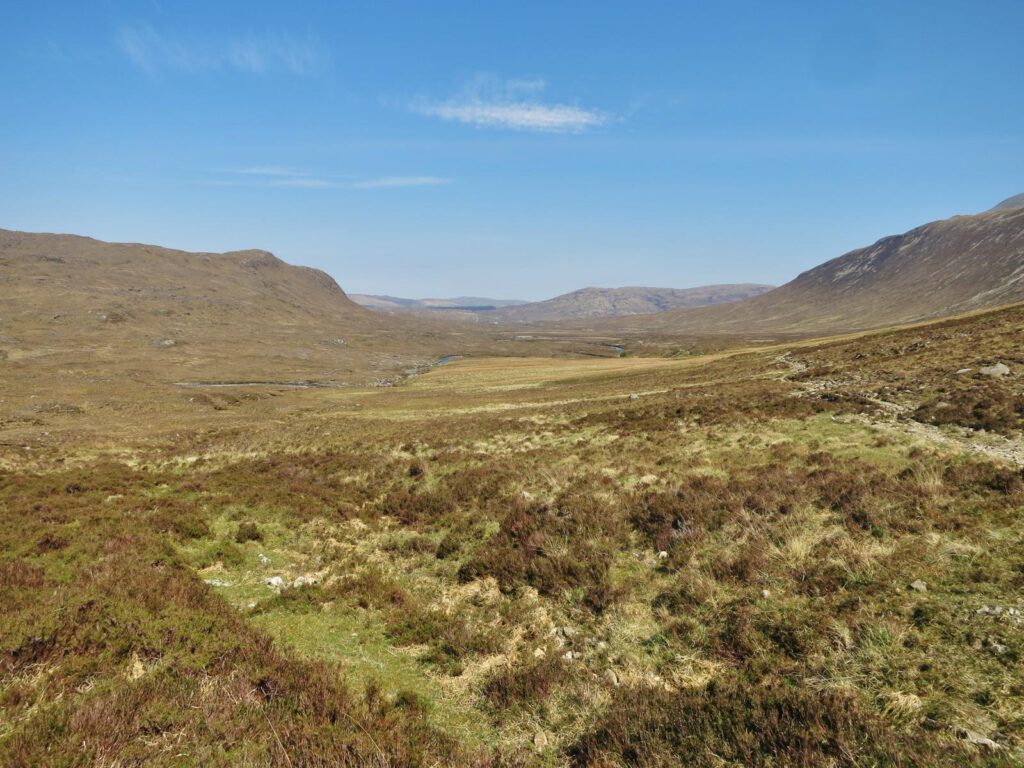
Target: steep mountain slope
<point>943,268</point>
<point>614,302</point>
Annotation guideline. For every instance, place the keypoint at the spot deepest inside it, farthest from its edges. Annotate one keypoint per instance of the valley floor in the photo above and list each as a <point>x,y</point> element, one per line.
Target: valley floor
<point>800,555</point>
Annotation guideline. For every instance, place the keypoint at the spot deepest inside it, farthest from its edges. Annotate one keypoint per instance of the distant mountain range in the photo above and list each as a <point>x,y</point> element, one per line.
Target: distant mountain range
<point>943,268</point>
<point>615,302</point>
<point>86,308</point>
<point>459,303</point>
<point>582,304</point>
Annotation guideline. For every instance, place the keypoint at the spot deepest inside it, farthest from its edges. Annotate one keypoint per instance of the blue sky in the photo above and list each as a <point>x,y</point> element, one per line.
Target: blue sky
<point>510,150</point>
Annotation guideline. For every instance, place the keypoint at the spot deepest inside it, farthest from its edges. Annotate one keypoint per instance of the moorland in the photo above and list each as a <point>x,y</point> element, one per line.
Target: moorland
<point>257,524</point>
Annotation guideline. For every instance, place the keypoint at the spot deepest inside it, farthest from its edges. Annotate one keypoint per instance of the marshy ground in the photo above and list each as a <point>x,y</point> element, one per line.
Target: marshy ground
<point>801,555</point>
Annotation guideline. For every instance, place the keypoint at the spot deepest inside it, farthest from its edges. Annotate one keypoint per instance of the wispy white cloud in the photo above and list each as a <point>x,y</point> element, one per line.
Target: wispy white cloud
<point>280,176</point>
<point>267,170</point>
<point>154,51</point>
<point>559,118</point>
<point>385,182</point>
<point>301,183</point>
<point>513,104</point>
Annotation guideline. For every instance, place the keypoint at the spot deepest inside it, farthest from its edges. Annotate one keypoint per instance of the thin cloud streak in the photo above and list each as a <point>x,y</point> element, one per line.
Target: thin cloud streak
<point>390,182</point>
<point>155,51</point>
<point>490,102</point>
<point>557,118</point>
<point>270,170</point>
<point>279,176</point>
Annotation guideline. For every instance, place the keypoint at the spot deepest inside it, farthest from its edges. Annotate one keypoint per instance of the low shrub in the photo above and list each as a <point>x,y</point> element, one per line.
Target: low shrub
<point>248,531</point>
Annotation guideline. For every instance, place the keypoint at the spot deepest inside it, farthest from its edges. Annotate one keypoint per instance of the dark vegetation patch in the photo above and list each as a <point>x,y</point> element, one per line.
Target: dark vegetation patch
<point>567,545</point>
<point>248,531</point>
<point>525,685</point>
<point>988,406</point>
<point>862,498</point>
<point>736,721</point>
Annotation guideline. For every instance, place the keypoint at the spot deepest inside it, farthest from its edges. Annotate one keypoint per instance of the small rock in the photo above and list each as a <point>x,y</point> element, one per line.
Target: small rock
<point>275,582</point>
<point>303,581</point>
<point>611,677</point>
<point>540,741</point>
<point>961,371</point>
<point>919,586</point>
<point>165,343</point>
<point>995,646</point>
<point>136,668</point>
<point>539,653</point>
<point>663,555</point>
<point>999,369</point>
<point>765,594</point>
<point>264,560</point>
<point>634,396</point>
<point>976,739</point>
<point>217,582</point>
<point>566,631</point>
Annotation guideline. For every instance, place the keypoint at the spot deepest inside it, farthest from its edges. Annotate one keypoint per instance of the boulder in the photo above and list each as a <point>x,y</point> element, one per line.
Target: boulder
<point>997,370</point>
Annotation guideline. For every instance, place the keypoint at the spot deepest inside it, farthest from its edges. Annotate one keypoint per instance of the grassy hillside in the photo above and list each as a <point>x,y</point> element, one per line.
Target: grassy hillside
<point>801,555</point>
<point>86,312</point>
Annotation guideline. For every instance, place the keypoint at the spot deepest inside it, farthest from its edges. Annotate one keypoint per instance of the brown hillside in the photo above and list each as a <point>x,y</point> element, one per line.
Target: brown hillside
<point>944,268</point>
